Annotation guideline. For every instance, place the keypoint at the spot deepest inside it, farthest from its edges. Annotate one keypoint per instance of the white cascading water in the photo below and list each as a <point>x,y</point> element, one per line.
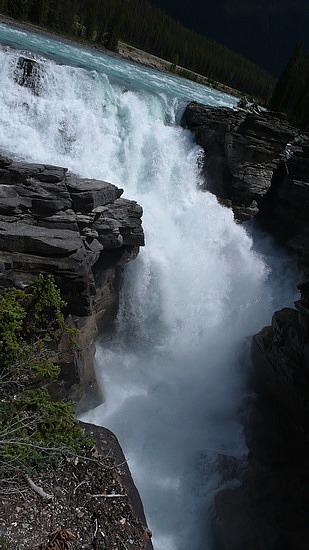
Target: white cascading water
<point>173,374</point>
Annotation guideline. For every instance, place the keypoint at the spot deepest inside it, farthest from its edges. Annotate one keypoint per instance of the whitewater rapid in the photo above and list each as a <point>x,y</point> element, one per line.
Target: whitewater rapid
<point>174,373</point>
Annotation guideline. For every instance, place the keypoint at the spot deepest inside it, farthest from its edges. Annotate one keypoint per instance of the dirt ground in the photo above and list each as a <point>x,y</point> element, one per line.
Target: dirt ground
<point>94,504</point>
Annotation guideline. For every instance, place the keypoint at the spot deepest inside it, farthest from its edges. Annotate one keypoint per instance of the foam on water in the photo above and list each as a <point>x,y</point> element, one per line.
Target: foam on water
<point>174,373</point>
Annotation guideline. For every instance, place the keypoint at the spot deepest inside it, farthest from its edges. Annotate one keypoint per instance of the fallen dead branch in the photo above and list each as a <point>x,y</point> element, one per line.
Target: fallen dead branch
<point>95,529</point>
<point>104,495</point>
<point>79,485</point>
<point>38,489</point>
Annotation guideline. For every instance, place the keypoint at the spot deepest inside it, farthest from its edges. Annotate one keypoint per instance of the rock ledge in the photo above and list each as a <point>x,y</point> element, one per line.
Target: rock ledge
<point>79,230</point>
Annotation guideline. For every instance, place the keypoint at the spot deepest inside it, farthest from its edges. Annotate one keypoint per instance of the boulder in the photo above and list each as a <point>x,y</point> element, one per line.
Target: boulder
<point>29,72</point>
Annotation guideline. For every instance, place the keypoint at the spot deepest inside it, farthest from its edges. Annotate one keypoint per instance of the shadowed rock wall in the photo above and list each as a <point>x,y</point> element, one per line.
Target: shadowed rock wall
<point>258,164</point>
<point>242,151</point>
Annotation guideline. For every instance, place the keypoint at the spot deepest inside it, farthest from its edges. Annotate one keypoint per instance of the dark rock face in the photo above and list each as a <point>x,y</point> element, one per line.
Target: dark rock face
<point>242,150</point>
<point>285,208</point>
<point>281,354</point>
<point>268,509</point>
<point>80,231</point>
<point>29,72</point>
<point>269,506</point>
<point>258,161</point>
<point>259,165</point>
<point>280,351</point>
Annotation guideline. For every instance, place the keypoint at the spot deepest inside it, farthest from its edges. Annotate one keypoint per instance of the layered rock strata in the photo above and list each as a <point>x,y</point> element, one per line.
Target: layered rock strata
<point>242,151</point>
<point>79,230</point>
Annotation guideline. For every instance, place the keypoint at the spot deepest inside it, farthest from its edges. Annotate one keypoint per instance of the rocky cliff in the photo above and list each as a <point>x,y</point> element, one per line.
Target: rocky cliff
<point>258,164</point>
<point>82,232</point>
<point>79,230</point>
<point>242,151</point>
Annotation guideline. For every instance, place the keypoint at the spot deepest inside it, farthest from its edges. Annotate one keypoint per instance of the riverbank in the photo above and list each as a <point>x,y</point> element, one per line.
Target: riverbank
<point>128,53</point>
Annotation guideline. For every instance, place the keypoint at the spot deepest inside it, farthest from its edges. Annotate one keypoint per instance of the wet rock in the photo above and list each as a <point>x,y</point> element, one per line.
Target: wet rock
<point>88,194</point>
<point>28,73</point>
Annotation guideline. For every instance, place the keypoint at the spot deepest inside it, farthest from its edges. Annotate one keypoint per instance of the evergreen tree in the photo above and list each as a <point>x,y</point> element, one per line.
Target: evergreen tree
<point>38,13</point>
<point>291,93</point>
<point>285,81</point>
<point>19,9</point>
<point>4,6</point>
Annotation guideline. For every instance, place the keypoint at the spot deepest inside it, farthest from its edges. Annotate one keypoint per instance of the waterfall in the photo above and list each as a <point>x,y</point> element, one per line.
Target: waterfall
<point>174,372</point>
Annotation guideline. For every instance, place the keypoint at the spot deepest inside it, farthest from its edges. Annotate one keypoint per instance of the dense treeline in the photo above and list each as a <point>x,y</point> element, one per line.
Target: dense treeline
<point>264,31</point>
<point>291,93</point>
<point>144,26</point>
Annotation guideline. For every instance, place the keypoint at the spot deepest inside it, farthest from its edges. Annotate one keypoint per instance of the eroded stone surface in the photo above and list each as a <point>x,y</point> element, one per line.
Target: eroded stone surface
<point>79,230</point>
<point>242,150</point>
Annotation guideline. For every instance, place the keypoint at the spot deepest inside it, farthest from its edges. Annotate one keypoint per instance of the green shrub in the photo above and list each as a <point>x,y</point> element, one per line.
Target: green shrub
<point>33,428</point>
